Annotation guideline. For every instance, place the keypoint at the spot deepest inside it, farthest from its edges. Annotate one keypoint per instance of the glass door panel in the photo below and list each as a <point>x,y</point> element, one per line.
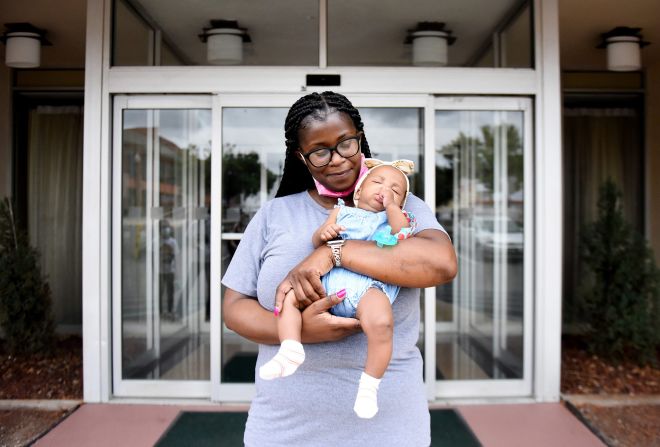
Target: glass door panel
<point>169,340</point>
<point>398,133</point>
<point>395,133</point>
<point>161,245</point>
<point>252,164</point>
<point>481,158</point>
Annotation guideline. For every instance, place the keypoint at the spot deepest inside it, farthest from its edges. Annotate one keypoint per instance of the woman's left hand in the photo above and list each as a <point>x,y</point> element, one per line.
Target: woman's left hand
<point>319,325</point>
<point>305,278</point>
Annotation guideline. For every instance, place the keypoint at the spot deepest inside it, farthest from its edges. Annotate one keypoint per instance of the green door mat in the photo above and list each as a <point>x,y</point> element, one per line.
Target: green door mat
<point>221,429</point>
<point>201,429</point>
<point>449,429</point>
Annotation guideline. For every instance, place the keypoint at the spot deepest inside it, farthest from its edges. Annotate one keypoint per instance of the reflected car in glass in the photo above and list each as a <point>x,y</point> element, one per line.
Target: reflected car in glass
<point>499,233</point>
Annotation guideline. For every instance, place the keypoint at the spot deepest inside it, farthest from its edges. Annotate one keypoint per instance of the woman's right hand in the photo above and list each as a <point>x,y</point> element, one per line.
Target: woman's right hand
<point>319,325</point>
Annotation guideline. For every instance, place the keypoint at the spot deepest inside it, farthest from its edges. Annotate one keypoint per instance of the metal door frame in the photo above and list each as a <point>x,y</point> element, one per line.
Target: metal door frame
<point>501,387</point>
<point>224,392</point>
<point>142,388</point>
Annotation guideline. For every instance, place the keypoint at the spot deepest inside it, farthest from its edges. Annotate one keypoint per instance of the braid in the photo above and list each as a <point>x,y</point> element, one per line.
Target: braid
<point>315,106</point>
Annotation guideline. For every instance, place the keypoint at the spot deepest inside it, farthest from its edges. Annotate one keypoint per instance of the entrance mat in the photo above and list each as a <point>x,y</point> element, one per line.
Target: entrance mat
<point>448,428</point>
<point>205,428</point>
<point>221,429</point>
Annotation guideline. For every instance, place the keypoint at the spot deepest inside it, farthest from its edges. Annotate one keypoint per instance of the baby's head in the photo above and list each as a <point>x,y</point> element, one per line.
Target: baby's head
<point>369,190</point>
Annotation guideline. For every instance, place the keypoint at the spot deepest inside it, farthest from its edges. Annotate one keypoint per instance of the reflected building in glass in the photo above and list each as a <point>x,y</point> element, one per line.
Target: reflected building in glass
<point>165,244</point>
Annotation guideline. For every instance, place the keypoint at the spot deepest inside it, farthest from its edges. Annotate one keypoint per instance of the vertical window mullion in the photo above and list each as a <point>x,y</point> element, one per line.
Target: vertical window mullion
<point>323,33</point>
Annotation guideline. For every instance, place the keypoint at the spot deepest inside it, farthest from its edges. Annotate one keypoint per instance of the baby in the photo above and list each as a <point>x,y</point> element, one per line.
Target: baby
<point>378,215</point>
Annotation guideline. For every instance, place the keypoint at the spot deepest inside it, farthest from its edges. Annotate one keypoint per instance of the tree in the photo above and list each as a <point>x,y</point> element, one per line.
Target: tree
<point>241,173</point>
<point>481,152</point>
<point>622,292</point>
<point>25,298</point>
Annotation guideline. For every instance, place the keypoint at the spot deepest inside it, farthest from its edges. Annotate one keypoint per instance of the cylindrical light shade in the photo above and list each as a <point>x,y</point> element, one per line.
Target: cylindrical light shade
<point>429,48</point>
<point>23,50</point>
<point>224,46</point>
<point>623,53</point>
<point>623,45</point>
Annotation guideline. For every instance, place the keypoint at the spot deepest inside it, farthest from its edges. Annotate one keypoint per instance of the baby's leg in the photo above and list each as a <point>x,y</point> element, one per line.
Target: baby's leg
<point>289,321</point>
<point>375,314</point>
<point>291,353</point>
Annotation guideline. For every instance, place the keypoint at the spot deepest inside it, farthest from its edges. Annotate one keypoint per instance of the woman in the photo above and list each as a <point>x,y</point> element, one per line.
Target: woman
<point>314,406</point>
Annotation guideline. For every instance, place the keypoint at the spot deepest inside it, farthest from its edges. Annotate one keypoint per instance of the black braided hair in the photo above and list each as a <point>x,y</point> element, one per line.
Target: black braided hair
<point>316,106</point>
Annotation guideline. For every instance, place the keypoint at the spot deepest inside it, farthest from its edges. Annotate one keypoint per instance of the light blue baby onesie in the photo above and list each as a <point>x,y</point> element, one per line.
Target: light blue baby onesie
<point>360,225</point>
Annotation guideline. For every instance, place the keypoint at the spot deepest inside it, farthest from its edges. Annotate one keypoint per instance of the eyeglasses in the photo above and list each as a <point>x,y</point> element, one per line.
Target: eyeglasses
<point>322,156</point>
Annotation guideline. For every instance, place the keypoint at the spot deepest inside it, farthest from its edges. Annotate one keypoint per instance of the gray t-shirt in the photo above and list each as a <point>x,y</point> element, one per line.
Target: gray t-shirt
<point>314,406</point>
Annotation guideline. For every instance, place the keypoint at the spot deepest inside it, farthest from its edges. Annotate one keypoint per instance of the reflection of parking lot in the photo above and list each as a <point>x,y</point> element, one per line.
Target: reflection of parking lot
<point>489,234</point>
<point>489,258</point>
<point>483,289</point>
<point>498,235</point>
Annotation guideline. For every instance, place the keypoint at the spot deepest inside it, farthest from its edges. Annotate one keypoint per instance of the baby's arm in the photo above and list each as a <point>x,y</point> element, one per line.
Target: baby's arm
<point>395,216</point>
<point>328,230</point>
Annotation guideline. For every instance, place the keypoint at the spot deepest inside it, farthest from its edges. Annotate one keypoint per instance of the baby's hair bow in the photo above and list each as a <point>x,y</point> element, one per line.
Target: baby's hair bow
<point>403,165</point>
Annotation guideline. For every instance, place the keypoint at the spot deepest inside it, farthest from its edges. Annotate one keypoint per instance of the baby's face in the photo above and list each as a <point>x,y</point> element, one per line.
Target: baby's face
<point>381,181</point>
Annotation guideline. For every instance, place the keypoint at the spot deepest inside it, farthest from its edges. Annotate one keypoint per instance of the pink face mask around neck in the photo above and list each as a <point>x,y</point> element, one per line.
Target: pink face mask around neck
<point>323,191</point>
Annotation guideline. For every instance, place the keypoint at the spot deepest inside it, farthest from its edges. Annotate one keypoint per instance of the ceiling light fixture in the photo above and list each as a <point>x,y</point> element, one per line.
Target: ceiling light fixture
<point>23,41</point>
<point>224,42</point>
<point>430,41</point>
<point>623,48</point>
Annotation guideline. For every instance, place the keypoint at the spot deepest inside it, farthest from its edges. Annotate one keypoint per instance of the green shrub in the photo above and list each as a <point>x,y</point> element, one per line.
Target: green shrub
<point>26,314</point>
<point>622,291</point>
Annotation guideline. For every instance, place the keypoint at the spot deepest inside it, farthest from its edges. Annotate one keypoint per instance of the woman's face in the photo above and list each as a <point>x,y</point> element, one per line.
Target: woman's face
<point>341,173</point>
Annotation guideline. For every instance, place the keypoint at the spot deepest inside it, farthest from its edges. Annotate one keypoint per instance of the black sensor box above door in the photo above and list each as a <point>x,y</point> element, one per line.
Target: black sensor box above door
<point>315,80</point>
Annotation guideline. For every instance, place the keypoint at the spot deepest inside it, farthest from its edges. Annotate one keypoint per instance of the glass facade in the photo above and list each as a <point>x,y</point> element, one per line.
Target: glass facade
<point>479,319</point>
<point>157,32</point>
<point>478,155</point>
<point>133,37</point>
<point>378,33</point>
<point>286,33</point>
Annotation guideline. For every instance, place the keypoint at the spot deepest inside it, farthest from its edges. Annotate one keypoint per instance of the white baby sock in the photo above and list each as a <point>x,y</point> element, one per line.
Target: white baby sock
<point>286,361</point>
<point>366,402</point>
